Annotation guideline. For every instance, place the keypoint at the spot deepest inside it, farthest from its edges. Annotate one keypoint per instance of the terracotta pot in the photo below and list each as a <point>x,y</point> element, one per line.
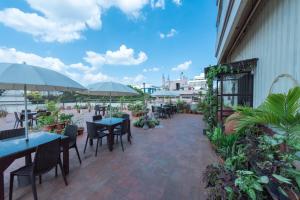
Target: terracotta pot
<point>60,126</point>
<point>80,130</point>
<point>230,125</point>
<point>49,127</point>
<point>58,131</point>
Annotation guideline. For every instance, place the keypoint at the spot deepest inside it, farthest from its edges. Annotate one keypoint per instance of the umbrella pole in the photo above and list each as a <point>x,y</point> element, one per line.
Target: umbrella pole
<point>110,105</point>
<point>26,114</point>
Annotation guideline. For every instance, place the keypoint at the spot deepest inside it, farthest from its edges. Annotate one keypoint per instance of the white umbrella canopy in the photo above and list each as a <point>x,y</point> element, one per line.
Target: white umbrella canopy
<point>15,76</point>
<point>110,89</point>
<point>27,77</point>
<point>165,93</point>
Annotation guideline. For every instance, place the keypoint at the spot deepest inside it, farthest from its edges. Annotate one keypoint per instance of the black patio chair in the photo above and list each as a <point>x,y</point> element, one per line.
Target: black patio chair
<point>7,134</point>
<point>97,118</point>
<point>97,109</point>
<point>71,132</point>
<point>18,121</point>
<point>123,131</point>
<point>46,158</point>
<point>94,131</point>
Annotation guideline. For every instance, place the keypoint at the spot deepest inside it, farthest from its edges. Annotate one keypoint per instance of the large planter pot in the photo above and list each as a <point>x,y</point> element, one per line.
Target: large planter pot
<point>230,125</point>
<point>60,126</point>
<point>58,131</point>
<point>49,127</point>
<point>80,130</point>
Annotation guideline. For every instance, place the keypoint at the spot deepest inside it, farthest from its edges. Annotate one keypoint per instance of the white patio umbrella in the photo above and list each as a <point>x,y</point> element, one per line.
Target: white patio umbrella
<point>110,89</point>
<point>165,93</point>
<point>27,77</point>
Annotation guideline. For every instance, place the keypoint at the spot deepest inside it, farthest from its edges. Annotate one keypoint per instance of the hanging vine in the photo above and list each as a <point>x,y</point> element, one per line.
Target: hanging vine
<point>210,104</point>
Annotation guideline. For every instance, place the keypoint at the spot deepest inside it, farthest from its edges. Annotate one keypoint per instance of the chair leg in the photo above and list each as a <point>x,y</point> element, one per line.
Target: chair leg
<point>11,185</point>
<point>78,154</point>
<point>40,179</point>
<point>56,171</point>
<point>121,143</point>
<point>101,142</point>
<point>87,139</point>
<point>15,126</point>
<point>33,188</point>
<point>62,171</point>
<point>97,147</point>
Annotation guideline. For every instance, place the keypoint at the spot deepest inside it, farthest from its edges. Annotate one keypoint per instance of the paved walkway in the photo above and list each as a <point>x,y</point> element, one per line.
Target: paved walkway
<point>162,163</point>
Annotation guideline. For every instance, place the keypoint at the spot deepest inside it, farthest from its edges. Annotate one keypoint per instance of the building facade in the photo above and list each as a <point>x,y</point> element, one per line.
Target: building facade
<point>264,30</point>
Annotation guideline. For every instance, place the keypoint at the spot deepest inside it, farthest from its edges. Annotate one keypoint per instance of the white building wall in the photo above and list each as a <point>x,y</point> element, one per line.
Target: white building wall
<point>273,38</point>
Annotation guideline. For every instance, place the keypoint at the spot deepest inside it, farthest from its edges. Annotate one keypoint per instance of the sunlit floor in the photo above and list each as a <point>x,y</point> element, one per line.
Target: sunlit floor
<point>161,163</point>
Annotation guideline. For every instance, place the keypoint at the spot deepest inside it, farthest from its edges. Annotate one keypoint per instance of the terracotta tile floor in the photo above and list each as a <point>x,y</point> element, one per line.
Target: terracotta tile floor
<point>162,163</point>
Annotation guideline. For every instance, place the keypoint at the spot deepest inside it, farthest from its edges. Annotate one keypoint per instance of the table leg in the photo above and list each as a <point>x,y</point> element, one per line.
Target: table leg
<point>110,138</point>
<point>2,186</point>
<point>66,156</point>
<point>4,165</point>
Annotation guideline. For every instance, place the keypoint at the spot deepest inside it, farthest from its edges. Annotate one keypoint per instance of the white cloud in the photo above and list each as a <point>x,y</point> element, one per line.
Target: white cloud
<point>131,8</point>
<point>138,79</point>
<point>158,4</point>
<point>170,34</point>
<point>123,56</point>
<point>11,55</point>
<point>85,74</point>
<point>153,69</point>
<point>177,2</point>
<point>64,20</point>
<point>182,67</point>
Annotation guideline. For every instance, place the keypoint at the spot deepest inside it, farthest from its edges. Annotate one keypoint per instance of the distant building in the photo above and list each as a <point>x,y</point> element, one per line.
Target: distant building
<point>178,84</point>
<point>198,84</point>
<point>149,88</point>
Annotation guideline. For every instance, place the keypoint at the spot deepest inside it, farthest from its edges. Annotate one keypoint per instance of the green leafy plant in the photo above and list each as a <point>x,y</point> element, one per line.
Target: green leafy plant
<point>236,161</point>
<point>46,120</point>
<point>280,112</point>
<point>65,117</point>
<point>249,183</point>
<point>151,122</point>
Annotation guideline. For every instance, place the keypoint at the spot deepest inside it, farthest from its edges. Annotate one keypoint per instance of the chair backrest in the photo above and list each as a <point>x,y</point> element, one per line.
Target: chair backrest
<point>23,111</point>
<point>97,117</point>
<point>125,126</point>
<point>46,157</point>
<point>7,134</point>
<point>17,116</point>
<point>71,132</point>
<point>126,116</point>
<point>91,128</point>
<point>97,109</point>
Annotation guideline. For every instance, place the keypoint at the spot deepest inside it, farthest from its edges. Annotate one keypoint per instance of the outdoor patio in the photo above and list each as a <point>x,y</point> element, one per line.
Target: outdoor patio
<point>162,163</point>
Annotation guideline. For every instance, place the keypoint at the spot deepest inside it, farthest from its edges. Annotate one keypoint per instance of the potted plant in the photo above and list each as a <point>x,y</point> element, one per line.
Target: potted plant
<point>79,122</point>
<point>47,122</point>
<point>65,118</point>
<point>77,107</point>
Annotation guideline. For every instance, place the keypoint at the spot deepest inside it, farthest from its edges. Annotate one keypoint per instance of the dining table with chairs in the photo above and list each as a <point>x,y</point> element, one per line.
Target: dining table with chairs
<point>14,145</point>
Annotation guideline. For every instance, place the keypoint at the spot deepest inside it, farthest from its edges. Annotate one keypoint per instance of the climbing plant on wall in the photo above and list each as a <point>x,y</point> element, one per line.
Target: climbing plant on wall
<point>210,104</point>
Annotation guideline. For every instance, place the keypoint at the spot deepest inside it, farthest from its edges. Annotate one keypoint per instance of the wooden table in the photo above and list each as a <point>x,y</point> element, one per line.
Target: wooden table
<point>15,148</point>
<point>110,124</point>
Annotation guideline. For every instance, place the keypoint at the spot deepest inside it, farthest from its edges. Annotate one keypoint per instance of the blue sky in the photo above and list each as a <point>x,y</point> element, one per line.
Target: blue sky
<point>131,41</point>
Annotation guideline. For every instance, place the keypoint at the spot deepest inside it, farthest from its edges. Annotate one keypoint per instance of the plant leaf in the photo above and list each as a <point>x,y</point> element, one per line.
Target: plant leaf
<point>282,179</point>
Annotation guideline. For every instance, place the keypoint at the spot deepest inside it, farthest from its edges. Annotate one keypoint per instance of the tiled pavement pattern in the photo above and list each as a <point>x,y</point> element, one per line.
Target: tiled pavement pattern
<point>162,163</point>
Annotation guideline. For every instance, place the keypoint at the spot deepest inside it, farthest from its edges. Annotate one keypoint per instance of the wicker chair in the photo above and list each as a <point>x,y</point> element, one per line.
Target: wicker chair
<point>7,134</point>
<point>71,132</point>
<point>94,131</point>
<point>124,129</point>
<point>97,118</point>
<point>46,158</point>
